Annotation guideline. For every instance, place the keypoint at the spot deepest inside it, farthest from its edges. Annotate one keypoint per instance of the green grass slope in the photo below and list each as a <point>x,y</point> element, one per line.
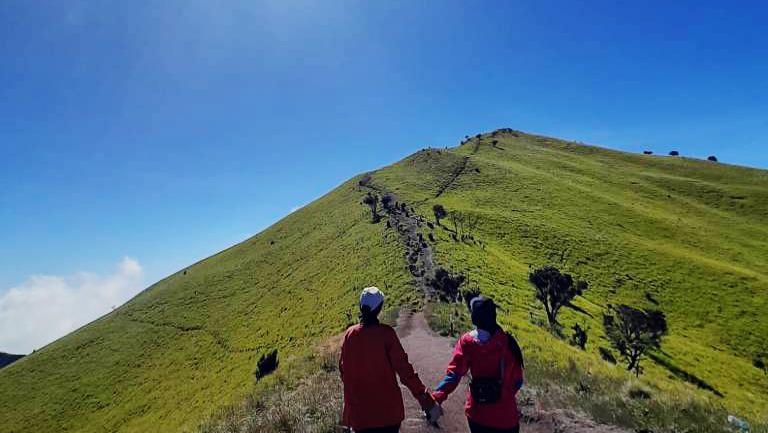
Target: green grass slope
<point>189,344</point>
<point>685,236</point>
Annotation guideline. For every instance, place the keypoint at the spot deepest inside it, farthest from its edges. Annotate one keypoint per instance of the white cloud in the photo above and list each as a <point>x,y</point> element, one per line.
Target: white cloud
<point>45,307</point>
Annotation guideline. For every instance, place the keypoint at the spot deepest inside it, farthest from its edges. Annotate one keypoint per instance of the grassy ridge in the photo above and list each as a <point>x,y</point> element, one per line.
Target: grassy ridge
<point>189,344</point>
<point>688,235</point>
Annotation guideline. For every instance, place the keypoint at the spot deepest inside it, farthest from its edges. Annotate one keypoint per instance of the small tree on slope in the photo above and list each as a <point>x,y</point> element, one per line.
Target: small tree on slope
<point>554,290</point>
<point>633,332</point>
<point>386,201</point>
<point>439,212</point>
<point>373,202</point>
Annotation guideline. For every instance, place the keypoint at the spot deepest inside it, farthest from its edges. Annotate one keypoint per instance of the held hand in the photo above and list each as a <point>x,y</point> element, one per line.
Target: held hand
<point>431,409</point>
<point>426,401</point>
<point>434,414</point>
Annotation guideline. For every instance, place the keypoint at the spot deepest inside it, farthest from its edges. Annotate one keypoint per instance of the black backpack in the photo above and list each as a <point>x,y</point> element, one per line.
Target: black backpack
<point>488,390</point>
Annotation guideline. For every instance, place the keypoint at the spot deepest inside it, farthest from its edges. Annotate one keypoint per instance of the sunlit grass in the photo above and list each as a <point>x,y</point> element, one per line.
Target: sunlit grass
<point>689,235</point>
<point>189,344</point>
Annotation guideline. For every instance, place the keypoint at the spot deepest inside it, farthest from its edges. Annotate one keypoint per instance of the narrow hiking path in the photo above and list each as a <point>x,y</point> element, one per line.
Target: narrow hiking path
<point>429,353</point>
<point>455,175</point>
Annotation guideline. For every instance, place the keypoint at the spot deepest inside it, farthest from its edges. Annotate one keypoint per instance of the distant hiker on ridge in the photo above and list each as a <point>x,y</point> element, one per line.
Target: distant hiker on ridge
<point>495,364</point>
<point>371,354</point>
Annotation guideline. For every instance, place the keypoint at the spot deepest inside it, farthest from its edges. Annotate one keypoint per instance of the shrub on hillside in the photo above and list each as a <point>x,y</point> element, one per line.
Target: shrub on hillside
<point>633,332</point>
<point>606,355</point>
<point>674,153</point>
<point>555,290</point>
<point>365,180</point>
<point>712,158</point>
<point>386,201</point>
<point>439,211</point>
<point>647,152</point>
<point>266,364</point>
<point>759,363</point>
<point>372,202</point>
<point>579,337</point>
<point>446,285</point>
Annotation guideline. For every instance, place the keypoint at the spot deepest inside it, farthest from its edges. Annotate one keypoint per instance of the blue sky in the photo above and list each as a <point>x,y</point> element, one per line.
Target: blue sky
<point>157,133</point>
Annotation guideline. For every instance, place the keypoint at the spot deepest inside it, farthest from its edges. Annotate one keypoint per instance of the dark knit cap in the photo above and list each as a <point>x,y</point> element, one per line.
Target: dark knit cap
<point>483,313</point>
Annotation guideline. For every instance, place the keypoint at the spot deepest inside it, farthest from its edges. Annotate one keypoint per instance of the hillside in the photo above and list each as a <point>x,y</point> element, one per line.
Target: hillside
<point>685,236</point>
<point>190,343</point>
<point>688,237</point>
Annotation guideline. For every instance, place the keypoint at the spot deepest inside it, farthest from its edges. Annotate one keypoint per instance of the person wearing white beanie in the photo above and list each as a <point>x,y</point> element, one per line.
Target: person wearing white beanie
<point>371,356</point>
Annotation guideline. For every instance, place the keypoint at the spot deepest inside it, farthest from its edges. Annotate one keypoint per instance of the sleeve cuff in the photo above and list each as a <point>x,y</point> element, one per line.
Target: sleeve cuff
<point>439,396</point>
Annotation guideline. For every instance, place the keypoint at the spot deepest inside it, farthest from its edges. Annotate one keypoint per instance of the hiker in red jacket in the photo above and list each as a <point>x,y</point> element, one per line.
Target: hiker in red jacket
<point>371,354</point>
<point>495,364</point>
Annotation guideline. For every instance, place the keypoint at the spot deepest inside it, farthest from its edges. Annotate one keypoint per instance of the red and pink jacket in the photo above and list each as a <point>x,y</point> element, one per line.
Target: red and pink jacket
<point>483,359</point>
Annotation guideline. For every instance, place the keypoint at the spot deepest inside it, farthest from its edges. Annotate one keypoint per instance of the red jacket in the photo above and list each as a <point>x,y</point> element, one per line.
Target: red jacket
<point>484,360</point>
<point>370,357</point>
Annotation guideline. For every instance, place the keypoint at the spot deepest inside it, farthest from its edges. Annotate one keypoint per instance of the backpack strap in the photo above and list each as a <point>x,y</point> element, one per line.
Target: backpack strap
<point>515,348</point>
<point>502,363</point>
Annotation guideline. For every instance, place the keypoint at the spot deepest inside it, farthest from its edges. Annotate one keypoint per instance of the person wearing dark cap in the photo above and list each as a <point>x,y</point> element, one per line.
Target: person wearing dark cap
<point>371,355</point>
<point>494,362</point>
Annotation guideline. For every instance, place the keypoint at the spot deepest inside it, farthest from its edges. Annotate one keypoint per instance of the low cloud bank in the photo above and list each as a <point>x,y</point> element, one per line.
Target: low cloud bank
<point>47,307</point>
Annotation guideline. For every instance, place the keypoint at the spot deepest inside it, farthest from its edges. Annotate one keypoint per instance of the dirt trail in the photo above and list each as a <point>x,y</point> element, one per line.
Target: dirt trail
<point>429,353</point>
<point>456,173</point>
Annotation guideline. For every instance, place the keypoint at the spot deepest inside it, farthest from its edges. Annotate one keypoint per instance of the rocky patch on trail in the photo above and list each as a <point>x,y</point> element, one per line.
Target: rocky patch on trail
<point>419,257</point>
<point>431,278</point>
